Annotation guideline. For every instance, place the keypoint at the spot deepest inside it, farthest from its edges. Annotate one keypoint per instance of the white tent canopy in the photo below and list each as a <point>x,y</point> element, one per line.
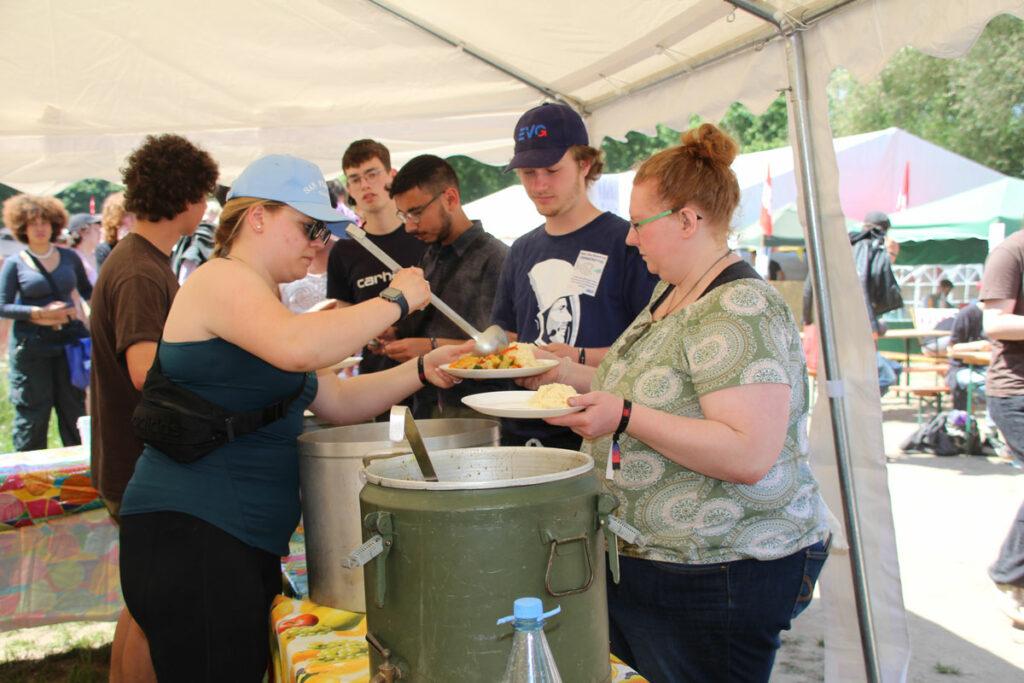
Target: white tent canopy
<point>85,81</point>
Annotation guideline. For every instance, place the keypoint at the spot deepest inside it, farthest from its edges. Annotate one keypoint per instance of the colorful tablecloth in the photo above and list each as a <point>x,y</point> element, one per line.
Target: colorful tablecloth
<point>41,485</point>
<point>63,570</point>
<point>58,547</point>
<point>315,644</point>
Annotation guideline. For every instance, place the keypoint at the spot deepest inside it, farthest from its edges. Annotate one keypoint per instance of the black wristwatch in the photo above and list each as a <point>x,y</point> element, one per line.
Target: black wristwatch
<point>395,296</point>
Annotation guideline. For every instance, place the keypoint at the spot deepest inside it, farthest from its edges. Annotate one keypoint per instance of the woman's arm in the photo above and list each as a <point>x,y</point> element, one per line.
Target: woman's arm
<point>360,398</point>
<point>738,440</point>
<point>9,292</point>
<point>575,375</point>
<point>229,300</point>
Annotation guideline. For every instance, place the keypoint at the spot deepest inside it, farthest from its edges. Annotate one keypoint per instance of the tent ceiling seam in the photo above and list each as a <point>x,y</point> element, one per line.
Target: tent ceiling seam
<point>763,37</point>
<point>465,47</point>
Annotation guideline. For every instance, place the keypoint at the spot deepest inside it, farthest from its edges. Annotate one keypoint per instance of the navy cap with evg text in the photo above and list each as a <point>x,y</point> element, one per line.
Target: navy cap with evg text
<point>544,133</point>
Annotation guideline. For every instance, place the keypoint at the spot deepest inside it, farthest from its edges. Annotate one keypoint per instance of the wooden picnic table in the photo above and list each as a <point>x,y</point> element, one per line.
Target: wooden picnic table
<point>906,334</point>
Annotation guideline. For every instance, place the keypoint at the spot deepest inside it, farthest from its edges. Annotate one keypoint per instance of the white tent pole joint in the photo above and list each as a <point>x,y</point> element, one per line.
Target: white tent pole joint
<point>804,148</point>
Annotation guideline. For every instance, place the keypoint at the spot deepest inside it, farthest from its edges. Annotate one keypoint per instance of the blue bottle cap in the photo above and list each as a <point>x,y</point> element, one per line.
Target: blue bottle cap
<point>527,608</point>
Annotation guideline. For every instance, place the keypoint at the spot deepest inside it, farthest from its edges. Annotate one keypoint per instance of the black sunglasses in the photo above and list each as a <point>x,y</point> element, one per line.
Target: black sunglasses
<point>317,230</point>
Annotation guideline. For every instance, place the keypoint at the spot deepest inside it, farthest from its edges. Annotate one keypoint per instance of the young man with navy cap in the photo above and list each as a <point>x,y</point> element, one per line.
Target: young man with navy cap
<point>571,285</point>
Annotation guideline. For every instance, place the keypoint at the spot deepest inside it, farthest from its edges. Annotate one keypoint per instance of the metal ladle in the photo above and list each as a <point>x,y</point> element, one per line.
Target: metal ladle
<point>491,340</point>
<point>402,427</point>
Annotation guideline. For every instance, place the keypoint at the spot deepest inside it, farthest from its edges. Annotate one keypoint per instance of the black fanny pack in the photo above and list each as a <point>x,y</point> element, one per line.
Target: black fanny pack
<point>185,426</point>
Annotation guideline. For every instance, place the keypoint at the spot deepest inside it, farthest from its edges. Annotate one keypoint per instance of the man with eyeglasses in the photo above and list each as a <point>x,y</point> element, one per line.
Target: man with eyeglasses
<point>462,264</point>
<point>353,274</point>
<point>571,285</point>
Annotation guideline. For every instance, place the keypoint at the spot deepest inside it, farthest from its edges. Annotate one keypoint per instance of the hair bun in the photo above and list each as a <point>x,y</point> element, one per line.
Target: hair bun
<point>708,142</point>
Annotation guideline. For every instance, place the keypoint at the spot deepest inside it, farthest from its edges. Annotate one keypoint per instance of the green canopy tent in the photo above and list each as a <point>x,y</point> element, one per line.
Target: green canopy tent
<point>787,231</point>
<point>955,229</point>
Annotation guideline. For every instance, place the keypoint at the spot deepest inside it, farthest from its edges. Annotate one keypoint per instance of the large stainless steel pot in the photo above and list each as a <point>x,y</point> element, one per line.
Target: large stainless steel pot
<point>329,464</point>
<point>449,557</point>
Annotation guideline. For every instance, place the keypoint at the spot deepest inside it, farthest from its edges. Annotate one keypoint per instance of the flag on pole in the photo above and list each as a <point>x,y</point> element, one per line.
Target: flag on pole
<point>903,200</point>
<point>766,204</point>
<point>92,205</point>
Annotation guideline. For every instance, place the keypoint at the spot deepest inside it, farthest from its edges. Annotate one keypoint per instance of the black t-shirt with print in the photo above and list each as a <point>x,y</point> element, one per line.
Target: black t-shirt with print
<point>355,275</point>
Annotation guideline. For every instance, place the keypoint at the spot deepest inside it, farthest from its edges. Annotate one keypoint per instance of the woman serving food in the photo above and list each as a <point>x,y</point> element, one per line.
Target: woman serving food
<point>698,417</point>
<point>202,535</point>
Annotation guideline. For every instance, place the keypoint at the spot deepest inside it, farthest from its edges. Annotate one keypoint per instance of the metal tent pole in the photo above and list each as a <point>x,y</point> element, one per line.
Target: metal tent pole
<point>806,171</point>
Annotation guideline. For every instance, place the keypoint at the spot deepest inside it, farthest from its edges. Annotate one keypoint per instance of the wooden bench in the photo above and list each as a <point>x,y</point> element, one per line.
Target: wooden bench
<point>924,394</point>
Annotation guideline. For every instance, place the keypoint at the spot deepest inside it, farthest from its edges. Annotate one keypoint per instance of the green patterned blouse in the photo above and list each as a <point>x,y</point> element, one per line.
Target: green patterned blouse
<point>739,333</point>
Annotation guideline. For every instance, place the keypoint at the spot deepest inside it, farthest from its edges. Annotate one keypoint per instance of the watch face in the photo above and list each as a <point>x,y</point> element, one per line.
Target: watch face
<point>391,293</point>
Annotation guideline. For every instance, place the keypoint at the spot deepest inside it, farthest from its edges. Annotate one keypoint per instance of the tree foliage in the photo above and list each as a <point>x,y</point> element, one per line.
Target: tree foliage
<point>758,133</point>
<point>973,106</point>
<point>77,195</point>
<point>478,180</point>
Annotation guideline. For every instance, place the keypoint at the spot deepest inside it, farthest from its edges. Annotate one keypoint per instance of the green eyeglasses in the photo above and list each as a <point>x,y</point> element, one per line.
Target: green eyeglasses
<point>636,225</point>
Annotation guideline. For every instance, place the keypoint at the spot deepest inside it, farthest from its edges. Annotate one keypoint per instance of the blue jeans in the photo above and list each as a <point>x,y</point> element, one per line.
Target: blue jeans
<point>719,622</point>
<point>1008,414</point>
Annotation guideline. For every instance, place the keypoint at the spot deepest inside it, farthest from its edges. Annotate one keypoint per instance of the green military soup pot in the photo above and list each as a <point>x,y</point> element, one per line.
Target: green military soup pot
<point>449,558</point>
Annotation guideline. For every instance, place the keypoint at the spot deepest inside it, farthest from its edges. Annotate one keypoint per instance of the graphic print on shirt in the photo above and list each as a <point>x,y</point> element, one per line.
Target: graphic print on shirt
<point>558,301</point>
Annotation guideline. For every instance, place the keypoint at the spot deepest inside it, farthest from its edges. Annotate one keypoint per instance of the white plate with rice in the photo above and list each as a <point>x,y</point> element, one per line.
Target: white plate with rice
<point>513,404</point>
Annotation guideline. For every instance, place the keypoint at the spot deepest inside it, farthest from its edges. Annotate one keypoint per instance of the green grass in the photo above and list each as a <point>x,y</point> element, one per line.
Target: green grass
<point>75,651</point>
<point>79,665</point>
<point>7,417</point>
<point>946,669</point>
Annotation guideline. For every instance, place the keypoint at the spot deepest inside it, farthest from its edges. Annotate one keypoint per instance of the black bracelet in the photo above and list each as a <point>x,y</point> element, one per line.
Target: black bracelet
<point>421,371</point>
<point>627,411</point>
<point>582,360</point>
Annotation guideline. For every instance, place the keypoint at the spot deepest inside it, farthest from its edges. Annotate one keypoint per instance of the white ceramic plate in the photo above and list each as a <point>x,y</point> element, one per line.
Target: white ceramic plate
<point>506,373</point>
<point>347,363</point>
<point>512,404</point>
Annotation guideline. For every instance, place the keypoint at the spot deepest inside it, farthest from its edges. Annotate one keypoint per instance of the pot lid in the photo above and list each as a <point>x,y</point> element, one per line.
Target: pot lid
<point>481,468</point>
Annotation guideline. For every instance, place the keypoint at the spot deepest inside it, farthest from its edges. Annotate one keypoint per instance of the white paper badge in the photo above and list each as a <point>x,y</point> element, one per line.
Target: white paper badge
<point>586,274</point>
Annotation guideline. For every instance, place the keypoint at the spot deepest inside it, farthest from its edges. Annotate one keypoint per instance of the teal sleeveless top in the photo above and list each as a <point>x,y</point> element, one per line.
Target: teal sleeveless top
<point>248,487</point>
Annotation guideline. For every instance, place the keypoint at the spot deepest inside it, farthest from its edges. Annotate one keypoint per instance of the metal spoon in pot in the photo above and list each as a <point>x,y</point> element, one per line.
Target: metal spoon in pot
<point>491,340</point>
<point>402,427</point>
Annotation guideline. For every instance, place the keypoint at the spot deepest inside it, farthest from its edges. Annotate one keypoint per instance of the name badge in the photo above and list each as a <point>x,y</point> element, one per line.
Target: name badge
<point>586,273</point>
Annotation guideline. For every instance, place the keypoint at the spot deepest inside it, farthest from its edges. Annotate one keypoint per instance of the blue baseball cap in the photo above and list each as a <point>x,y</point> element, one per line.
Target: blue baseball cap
<point>289,180</point>
<point>544,133</point>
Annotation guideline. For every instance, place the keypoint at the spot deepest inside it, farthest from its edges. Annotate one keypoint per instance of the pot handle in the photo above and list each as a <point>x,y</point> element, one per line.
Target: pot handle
<point>555,542</point>
<point>381,523</point>
<point>606,505</point>
<point>385,453</point>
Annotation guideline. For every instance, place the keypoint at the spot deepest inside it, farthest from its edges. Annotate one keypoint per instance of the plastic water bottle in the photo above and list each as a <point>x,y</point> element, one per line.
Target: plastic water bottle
<point>530,660</point>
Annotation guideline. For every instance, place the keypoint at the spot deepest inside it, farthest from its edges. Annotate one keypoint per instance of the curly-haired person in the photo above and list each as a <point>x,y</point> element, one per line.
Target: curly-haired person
<point>166,181</point>
<point>35,291</point>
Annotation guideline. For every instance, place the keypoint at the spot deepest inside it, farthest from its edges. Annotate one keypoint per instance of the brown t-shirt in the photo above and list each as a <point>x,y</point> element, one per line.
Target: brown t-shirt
<point>1002,279</point>
<point>129,305</point>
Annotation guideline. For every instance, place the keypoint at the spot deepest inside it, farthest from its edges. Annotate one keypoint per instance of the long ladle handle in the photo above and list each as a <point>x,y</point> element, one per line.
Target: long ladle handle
<point>359,236</point>
<point>403,427</point>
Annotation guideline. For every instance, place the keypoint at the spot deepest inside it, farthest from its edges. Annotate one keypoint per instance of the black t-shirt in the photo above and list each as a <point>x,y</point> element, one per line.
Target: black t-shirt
<point>355,275</point>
